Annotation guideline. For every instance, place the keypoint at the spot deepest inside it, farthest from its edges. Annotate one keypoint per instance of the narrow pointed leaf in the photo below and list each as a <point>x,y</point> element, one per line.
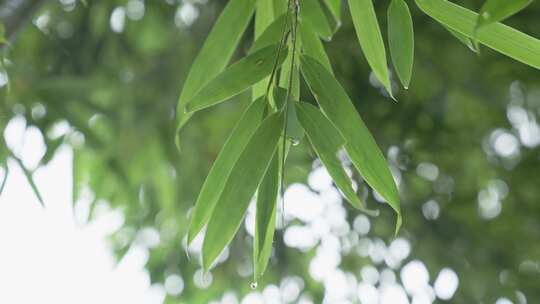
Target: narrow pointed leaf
<point>285,74</point>
<point>272,34</point>
<point>30,179</point>
<point>294,129</point>
<point>464,39</point>
<point>311,12</point>
<point>335,8</point>
<point>360,145</point>
<point>370,38</point>
<point>4,179</point>
<point>265,217</point>
<point>215,53</point>
<point>237,78</point>
<point>312,45</point>
<point>327,141</point>
<point>497,36</point>
<point>401,40</point>
<point>218,175</point>
<point>498,10</point>
<point>245,177</point>
<point>264,16</point>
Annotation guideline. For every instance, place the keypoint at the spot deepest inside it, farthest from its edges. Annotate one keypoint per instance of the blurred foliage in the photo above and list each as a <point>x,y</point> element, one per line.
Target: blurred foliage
<point>111,96</point>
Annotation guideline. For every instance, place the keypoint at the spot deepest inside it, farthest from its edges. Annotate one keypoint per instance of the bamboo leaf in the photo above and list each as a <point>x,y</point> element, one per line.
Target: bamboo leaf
<point>327,141</point>
<point>264,17</point>
<point>294,129</point>
<point>335,8</point>
<point>265,214</point>
<point>237,78</point>
<point>464,39</point>
<point>498,10</point>
<point>215,53</point>
<point>401,40</point>
<point>497,36</point>
<point>245,177</point>
<point>312,45</point>
<point>30,179</point>
<point>272,34</point>
<point>360,145</point>
<point>370,38</point>
<point>218,175</point>
<point>5,170</point>
<point>312,13</point>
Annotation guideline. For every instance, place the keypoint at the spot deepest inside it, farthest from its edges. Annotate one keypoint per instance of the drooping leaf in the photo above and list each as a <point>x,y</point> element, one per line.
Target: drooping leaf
<point>286,70</point>
<point>272,34</point>
<point>265,217</point>
<point>401,40</point>
<point>294,129</point>
<point>311,13</point>
<point>464,39</point>
<point>245,177</point>
<point>497,36</point>
<point>215,53</point>
<point>280,7</point>
<point>264,15</point>
<point>218,175</point>
<point>4,178</point>
<point>30,179</point>
<point>360,145</point>
<point>498,10</point>
<point>312,45</point>
<point>370,38</point>
<point>327,141</point>
<point>237,78</point>
<point>335,8</point>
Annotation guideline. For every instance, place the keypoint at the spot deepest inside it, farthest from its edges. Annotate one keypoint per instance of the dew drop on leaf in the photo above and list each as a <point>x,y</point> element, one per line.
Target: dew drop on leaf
<point>253,285</point>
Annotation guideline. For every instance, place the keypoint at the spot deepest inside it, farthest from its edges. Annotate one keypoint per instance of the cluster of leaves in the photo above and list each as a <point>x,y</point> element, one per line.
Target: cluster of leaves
<point>251,162</point>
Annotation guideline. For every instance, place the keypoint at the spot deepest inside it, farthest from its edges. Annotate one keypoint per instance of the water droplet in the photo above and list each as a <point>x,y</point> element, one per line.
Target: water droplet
<point>186,250</point>
<point>485,15</point>
<point>253,285</point>
<point>259,62</point>
<point>295,142</point>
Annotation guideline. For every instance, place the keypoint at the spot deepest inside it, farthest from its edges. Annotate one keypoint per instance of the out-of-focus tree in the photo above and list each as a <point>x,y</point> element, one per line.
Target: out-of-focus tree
<point>463,143</point>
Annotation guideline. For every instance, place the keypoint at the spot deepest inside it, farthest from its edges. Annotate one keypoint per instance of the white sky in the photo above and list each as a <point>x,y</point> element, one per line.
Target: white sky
<point>46,257</point>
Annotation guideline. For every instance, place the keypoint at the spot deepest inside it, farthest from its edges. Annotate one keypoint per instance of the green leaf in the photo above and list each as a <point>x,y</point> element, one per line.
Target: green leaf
<point>265,215</point>
<point>497,36</point>
<point>401,40</point>
<point>312,45</point>
<point>285,75</point>
<point>272,34</point>
<point>360,145</point>
<point>237,78</point>
<point>335,8</point>
<point>30,179</point>
<point>370,38</point>
<point>327,141</point>
<point>4,178</point>
<point>294,129</point>
<point>498,10</point>
<point>218,175</point>
<point>243,180</point>
<point>464,39</point>
<point>264,17</point>
<point>312,13</point>
<point>215,53</point>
